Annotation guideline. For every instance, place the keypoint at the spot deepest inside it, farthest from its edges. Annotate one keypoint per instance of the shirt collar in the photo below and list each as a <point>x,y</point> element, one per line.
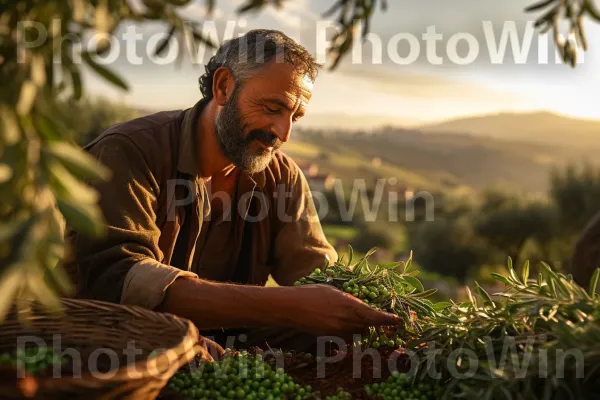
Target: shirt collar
<point>189,149</point>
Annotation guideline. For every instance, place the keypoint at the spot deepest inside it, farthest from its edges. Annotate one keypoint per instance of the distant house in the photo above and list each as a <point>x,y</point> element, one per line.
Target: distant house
<point>309,169</point>
<point>392,185</point>
<point>321,182</point>
<point>318,182</point>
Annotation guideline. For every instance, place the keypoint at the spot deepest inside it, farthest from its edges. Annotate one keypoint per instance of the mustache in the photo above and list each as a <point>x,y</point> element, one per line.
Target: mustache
<point>267,138</point>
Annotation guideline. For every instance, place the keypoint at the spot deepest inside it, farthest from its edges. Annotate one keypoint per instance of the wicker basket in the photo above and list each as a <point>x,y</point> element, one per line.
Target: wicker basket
<point>98,331</point>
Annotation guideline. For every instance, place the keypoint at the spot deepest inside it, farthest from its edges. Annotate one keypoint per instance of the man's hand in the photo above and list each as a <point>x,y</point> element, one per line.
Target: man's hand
<point>316,309</point>
<point>322,309</point>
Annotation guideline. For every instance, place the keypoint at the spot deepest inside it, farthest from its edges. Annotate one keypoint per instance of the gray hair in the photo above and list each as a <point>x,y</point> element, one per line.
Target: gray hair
<point>247,54</point>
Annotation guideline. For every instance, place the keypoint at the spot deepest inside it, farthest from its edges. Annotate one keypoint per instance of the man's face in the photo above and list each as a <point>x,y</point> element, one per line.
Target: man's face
<point>258,117</point>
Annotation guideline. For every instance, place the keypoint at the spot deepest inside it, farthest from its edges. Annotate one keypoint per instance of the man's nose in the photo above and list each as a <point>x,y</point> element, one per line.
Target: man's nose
<point>283,128</point>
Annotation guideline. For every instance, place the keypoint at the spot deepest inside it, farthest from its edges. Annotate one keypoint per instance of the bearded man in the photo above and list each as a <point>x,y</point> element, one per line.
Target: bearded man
<point>203,206</point>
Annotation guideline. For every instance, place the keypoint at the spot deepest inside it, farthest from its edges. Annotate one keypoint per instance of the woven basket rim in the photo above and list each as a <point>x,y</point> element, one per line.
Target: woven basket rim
<point>183,350</point>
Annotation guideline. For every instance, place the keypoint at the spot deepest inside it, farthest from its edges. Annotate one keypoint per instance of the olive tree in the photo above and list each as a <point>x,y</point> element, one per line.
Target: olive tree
<point>43,171</point>
<point>510,227</point>
<point>448,246</point>
<point>576,193</point>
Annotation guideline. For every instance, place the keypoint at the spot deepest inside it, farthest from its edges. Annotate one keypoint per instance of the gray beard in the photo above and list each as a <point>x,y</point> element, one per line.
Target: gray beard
<point>229,128</point>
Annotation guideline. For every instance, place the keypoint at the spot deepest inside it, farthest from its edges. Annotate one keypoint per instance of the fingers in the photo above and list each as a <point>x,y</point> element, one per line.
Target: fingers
<point>369,316</point>
<point>372,317</point>
<point>382,318</point>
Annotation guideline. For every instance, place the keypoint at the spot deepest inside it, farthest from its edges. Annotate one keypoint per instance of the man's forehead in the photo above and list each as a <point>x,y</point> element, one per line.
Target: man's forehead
<point>285,78</point>
<point>307,81</point>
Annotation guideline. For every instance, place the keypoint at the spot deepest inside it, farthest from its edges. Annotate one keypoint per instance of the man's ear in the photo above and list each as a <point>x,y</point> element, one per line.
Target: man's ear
<point>222,85</point>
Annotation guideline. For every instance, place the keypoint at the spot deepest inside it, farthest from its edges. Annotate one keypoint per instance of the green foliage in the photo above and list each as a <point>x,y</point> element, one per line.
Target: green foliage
<point>448,246</point>
<point>89,117</point>
<point>372,237</point>
<point>536,339</point>
<point>393,288</point>
<point>572,12</point>
<point>508,227</point>
<point>42,170</point>
<point>514,343</point>
<point>505,223</point>
<point>576,193</point>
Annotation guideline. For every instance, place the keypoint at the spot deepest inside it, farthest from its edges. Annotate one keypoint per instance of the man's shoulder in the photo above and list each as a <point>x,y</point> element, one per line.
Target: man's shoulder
<point>144,129</point>
<point>282,168</point>
<point>151,139</point>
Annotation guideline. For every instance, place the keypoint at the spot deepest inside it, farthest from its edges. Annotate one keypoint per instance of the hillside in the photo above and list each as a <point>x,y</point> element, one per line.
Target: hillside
<point>425,160</point>
<point>538,127</point>
<point>352,122</point>
<point>347,162</point>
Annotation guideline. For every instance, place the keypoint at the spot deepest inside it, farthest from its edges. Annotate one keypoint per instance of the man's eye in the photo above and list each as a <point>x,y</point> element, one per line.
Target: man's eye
<point>272,110</point>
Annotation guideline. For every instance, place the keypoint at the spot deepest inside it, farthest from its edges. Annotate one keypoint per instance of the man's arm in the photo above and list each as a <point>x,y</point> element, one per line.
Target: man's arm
<point>317,309</point>
<point>122,266</point>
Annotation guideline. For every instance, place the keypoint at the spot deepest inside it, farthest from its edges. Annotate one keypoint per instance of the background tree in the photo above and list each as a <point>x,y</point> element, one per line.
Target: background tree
<point>369,237</point>
<point>576,193</point>
<point>509,227</point>
<point>89,117</point>
<point>448,246</point>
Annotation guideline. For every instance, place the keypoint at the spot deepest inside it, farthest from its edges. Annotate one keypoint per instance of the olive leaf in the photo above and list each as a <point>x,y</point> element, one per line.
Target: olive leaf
<point>525,272</point>
<point>486,297</point>
<point>77,161</point>
<point>594,283</point>
<point>104,72</point>
<point>84,218</point>
<point>414,282</point>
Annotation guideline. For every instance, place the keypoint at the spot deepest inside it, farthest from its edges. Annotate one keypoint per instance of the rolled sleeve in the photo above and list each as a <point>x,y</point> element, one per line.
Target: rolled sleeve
<point>147,281</point>
<point>300,245</point>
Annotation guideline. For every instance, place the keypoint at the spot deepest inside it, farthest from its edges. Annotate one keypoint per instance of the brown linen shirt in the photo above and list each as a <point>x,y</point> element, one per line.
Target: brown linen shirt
<point>153,160</point>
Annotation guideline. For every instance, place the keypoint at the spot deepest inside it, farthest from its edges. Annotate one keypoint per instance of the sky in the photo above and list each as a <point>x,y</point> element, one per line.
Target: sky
<point>424,61</point>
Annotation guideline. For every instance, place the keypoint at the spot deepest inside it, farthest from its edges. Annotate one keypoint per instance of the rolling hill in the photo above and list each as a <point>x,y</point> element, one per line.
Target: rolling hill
<point>517,149</point>
<point>423,160</point>
<point>536,127</point>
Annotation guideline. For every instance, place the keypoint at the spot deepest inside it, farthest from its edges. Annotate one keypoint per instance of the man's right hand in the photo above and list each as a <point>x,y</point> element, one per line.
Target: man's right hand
<point>315,309</point>
<point>324,310</point>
